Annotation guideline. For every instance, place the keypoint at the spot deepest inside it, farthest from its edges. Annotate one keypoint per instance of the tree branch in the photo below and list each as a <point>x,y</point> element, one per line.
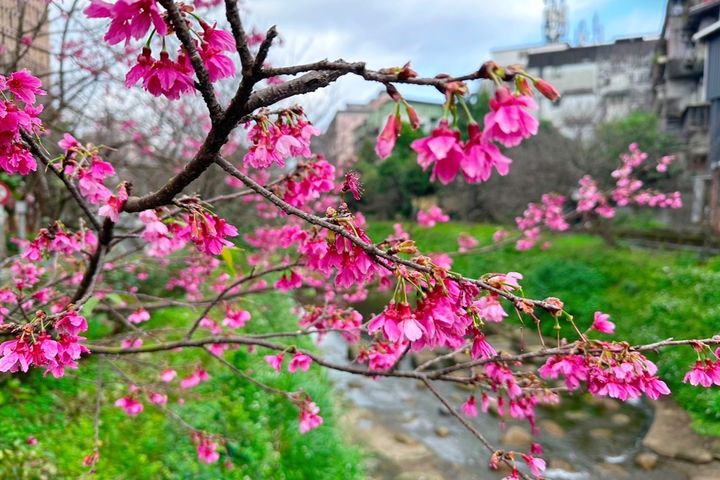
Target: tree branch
<point>203,84</point>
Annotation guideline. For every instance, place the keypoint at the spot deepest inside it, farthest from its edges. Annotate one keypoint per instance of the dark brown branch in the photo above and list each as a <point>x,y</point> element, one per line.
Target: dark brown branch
<point>38,153</point>
<point>204,84</point>
<point>476,433</point>
<point>241,105</point>
<point>87,284</point>
<point>263,51</point>
<point>233,16</point>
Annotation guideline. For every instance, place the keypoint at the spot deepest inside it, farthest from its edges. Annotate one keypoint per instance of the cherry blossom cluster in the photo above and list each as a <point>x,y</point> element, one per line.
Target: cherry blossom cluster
<point>273,142</point>
<point>591,199</point>
<point>549,214</point>
<point>508,123</point>
<point>706,371</point>
<point>84,165</point>
<point>445,313</point>
<point>43,349</point>
<point>431,217</point>
<point>57,239</point>
<point>164,75</point>
<point>18,113</point>
<point>206,230</point>
<point>308,182</point>
<point>324,318</point>
<point>615,372</point>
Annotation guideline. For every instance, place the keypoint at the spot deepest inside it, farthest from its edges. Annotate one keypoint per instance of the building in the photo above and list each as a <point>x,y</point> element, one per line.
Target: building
<point>599,83</point>
<point>358,122</point>
<point>686,85</point>
<point>24,36</point>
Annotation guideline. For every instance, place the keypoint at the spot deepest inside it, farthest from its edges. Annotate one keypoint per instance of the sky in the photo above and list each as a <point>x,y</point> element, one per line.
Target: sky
<point>453,37</point>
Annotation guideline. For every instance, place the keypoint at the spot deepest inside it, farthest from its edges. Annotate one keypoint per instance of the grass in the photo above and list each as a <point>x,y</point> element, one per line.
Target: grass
<point>261,429</point>
<point>651,295</point>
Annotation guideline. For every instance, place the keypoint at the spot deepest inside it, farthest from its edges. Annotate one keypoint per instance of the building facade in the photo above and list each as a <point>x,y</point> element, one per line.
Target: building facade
<point>599,83</point>
<point>357,122</point>
<point>686,86</point>
<point>24,36</point>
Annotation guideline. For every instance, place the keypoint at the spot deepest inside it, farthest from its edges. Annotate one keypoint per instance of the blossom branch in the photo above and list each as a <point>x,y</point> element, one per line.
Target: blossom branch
<point>38,152</point>
<point>369,248</point>
<point>475,432</point>
<point>203,83</point>
<point>252,276</point>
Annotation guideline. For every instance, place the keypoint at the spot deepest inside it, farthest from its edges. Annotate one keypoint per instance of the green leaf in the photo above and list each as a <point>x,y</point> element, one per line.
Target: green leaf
<point>227,255</point>
<point>115,298</point>
<point>89,306</point>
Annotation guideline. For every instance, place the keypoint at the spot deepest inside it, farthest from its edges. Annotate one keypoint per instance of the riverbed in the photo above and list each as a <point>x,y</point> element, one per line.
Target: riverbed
<point>583,438</point>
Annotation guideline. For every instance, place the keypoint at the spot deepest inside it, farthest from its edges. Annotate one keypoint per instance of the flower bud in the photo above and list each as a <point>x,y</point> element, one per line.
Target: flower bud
<point>547,90</point>
<point>408,246</point>
<point>523,86</point>
<point>556,304</point>
<point>406,72</point>
<point>413,116</point>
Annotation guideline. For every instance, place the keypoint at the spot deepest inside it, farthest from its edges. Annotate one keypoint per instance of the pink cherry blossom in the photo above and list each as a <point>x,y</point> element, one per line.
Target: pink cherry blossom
<point>509,121</point>
<point>169,78</point>
<point>129,18</point>
<point>168,375</point>
<point>208,232</point>
<point>158,398</point>
<point>481,348</point>
<point>300,361</point>
<point>469,407</point>
<point>195,379</point>
<point>275,361</point>
<point>431,217</point>
<point>309,418</point>
<point>236,318</point>
<point>130,405</point>
<point>386,139</point>
<point>24,86</point>
<point>352,184</point>
<point>704,373</point>
<point>207,449</point>
<point>481,156</point>
<point>443,150</point>
<point>602,323</point>
<point>139,316</point>
<point>114,204</point>
<point>489,309</point>
<point>466,242</point>
<point>535,464</point>
<point>398,323</point>
<point>289,282</point>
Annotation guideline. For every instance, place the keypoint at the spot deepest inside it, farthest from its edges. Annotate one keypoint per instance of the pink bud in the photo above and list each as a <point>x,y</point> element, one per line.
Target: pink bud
<point>547,90</point>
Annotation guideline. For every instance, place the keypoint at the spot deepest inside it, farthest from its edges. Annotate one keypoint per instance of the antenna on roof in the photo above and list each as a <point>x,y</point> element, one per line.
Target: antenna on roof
<point>581,34</point>
<point>597,30</point>
<point>554,20</point>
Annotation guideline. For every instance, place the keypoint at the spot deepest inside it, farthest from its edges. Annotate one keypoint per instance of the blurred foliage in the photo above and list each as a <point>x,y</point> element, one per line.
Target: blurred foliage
<point>391,184</point>
<point>643,128</point>
<point>263,440</point>
<point>651,295</point>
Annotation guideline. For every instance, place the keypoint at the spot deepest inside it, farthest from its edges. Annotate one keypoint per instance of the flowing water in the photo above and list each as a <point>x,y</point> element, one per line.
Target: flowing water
<point>583,438</point>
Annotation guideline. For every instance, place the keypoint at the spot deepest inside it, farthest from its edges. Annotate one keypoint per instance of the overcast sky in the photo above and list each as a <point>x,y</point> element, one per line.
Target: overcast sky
<point>437,36</point>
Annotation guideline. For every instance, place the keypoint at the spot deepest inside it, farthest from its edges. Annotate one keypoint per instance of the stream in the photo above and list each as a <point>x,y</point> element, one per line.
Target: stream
<point>583,438</point>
